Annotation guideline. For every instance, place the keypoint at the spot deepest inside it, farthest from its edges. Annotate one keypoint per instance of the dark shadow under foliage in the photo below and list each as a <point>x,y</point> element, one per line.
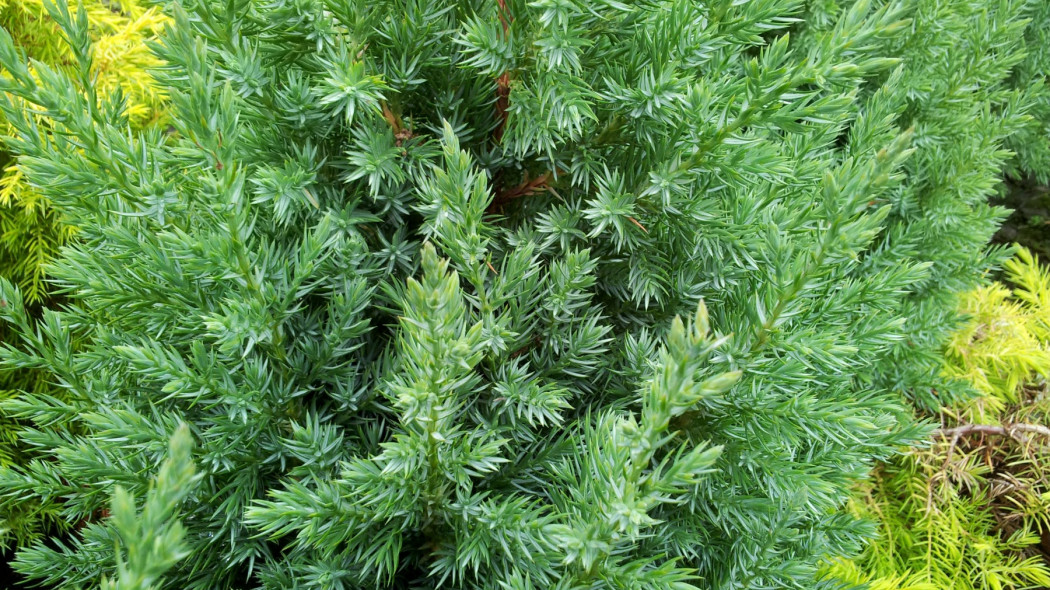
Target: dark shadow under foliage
<point>1029,220</point>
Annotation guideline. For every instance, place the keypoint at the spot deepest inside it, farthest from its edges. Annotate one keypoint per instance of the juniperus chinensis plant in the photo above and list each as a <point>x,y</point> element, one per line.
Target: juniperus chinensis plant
<point>1032,76</point>
<point>412,273</point>
<point>958,60</point>
<point>970,511</point>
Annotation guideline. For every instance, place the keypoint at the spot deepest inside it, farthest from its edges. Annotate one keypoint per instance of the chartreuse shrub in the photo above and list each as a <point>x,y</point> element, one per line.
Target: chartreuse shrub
<point>966,512</point>
<point>414,272</point>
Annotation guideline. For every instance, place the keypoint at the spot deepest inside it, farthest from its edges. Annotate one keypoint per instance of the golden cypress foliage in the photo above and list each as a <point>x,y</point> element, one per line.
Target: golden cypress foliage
<point>972,511</point>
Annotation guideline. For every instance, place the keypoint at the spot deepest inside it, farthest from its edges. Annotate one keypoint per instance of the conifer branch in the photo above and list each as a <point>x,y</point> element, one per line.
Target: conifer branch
<point>1014,430</point>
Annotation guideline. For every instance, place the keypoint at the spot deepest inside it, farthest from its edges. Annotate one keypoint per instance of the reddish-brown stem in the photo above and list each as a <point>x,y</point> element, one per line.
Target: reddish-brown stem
<point>504,14</point>
<point>391,118</point>
<point>503,82</point>
<point>502,104</point>
<point>527,187</point>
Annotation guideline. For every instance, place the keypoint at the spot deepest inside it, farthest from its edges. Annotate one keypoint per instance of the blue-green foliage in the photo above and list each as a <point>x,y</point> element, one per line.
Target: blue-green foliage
<point>410,271</point>
<point>1032,77</point>
<point>955,93</point>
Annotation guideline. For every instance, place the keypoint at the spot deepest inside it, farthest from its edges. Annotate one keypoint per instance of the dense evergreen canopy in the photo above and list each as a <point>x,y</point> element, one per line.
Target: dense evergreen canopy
<point>411,273</point>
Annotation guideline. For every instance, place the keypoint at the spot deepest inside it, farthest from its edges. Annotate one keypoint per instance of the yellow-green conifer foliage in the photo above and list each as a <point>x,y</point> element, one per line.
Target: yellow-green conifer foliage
<point>1004,351</point>
<point>971,511</point>
<point>30,231</point>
